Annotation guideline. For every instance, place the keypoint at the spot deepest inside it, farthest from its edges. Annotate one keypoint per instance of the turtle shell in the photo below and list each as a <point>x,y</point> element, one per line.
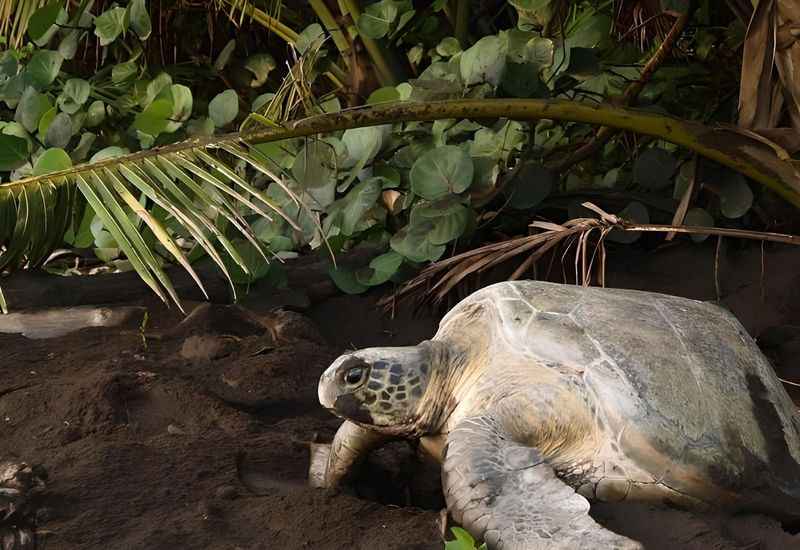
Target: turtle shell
<point>678,383</point>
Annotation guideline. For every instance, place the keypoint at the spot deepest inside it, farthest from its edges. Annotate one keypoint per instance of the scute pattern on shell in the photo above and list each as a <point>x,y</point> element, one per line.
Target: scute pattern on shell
<point>672,379</point>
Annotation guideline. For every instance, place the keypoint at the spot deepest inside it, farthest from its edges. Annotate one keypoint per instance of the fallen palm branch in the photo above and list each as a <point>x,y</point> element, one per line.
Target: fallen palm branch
<point>437,280</point>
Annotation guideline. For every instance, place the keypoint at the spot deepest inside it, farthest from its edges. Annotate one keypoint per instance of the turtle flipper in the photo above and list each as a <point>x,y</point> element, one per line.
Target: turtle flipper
<point>507,495</point>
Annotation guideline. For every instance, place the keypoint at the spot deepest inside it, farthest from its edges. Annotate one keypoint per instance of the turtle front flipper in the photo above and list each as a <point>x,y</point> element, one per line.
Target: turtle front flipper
<point>331,464</point>
<point>506,494</point>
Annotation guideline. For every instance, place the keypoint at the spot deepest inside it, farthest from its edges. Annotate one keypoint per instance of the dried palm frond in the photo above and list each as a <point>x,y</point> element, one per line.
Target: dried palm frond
<point>770,79</point>
<point>641,21</point>
<point>238,10</point>
<point>440,278</point>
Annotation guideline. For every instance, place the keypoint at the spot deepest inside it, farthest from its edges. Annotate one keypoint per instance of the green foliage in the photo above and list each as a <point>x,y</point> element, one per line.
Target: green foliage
<point>416,189</point>
<point>462,541</point>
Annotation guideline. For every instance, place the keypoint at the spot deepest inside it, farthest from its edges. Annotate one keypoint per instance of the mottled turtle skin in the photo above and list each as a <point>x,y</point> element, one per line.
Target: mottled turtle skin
<point>540,398</point>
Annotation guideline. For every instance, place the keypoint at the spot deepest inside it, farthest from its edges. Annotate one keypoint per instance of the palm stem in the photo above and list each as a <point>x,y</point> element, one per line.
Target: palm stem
<point>726,145</point>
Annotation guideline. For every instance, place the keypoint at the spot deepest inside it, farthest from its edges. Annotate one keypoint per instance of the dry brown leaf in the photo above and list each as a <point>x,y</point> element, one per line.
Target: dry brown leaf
<point>787,138</point>
<point>787,35</point>
<point>781,153</point>
<point>755,93</point>
<point>390,199</point>
<point>683,207</point>
<point>440,278</point>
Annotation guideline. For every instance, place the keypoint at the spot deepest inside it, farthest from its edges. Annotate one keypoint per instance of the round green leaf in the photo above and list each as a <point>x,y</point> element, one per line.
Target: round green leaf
<point>13,152</point>
<point>440,172</point>
<point>377,19</point>
<point>140,19</point>
<point>60,131</point>
<point>158,88</point>
<point>224,108</point>
<point>225,55</point>
<point>654,168</point>
<point>522,80</point>
<point>412,242</point>
<point>95,114</point>
<point>200,127</point>
<point>181,106</point>
<point>345,280</point>
<point>43,68</point>
<point>350,209</point>
<point>362,144</point>
<point>52,160</point>
<point>30,109</point>
<point>700,218</point>
<point>308,37</point>
<point>101,237</point>
<point>448,47</point>
<point>380,269</point>
<point>121,72</point>
<point>735,197</point>
<point>46,120</point>
<point>387,94</point>
<point>68,46</point>
<point>448,217</point>
<point>315,164</point>
<point>153,120</point>
<point>109,153</point>
<point>80,151</point>
<point>260,64</point>
<point>531,184</point>
<point>261,101</point>
<point>75,93</point>
<point>110,24</point>
<point>391,176</point>
<point>484,61</point>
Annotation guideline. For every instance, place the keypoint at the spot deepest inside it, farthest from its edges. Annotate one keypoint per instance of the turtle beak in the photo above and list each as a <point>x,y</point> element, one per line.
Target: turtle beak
<point>328,390</point>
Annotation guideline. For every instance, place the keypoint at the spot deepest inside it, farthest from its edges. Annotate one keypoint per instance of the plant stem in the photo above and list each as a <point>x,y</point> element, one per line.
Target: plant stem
<point>335,73</point>
<point>329,21</point>
<point>462,23</point>
<point>723,144</point>
<point>382,69</point>
<point>633,90</point>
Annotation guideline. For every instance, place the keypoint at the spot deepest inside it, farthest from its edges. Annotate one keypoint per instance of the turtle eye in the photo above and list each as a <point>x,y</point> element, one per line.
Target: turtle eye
<point>354,375</point>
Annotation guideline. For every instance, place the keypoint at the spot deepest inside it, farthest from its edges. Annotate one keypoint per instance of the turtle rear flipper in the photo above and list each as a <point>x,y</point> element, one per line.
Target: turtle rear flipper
<point>506,494</point>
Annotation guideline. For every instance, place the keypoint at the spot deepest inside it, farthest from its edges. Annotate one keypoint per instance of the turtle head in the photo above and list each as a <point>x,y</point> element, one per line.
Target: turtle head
<point>380,388</point>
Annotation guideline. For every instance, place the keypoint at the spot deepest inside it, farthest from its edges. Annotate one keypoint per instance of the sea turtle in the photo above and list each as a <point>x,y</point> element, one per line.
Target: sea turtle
<point>539,398</point>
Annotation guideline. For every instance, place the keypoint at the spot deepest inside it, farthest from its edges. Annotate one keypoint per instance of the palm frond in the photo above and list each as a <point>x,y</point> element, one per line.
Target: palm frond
<point>14,16</point>
<point>36,212</point>
<point>439,279</point>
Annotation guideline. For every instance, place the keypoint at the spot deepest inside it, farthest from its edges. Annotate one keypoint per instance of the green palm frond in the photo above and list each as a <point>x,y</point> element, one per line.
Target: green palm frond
<point>185,180</point>
<point>14,16</point>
